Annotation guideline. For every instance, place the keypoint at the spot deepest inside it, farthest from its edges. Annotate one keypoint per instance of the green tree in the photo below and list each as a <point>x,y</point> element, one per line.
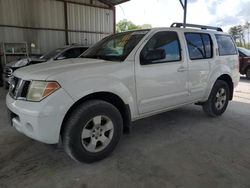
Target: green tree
<point>146,26</point>
<point>238,34</point>
<point>247,28</point>
<point>234,32</point>
<point>125,25</point>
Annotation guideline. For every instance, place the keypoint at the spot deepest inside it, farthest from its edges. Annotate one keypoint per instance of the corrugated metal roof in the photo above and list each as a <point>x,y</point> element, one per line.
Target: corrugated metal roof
<point>113,2</point>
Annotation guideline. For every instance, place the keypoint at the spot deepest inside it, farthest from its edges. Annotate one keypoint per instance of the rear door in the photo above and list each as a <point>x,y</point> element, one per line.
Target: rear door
<point>200,56</point>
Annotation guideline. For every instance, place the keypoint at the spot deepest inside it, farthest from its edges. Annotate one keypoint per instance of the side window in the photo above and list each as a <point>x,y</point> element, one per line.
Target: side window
<point>226,45</point>
<point>72,53</point>
<point>83,50</point>
<point>163,47</point>
<point>199,45</point>
<point>207,45</point>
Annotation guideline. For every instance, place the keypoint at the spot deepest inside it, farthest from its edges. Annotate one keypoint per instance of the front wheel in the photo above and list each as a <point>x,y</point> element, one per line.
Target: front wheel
<point>218,99</point>
<point>92,131</point>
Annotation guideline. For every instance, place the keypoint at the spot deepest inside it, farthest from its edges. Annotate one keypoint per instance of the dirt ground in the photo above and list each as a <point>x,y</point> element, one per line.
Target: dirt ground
<point>180,148</point>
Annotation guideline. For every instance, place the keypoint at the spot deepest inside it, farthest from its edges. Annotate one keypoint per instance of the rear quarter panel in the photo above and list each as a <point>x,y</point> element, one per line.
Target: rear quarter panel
<point>225,64</point>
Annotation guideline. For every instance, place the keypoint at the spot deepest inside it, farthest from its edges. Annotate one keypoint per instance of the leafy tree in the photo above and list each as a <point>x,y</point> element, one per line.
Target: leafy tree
<point>234,32</point>
<point>146,26</point>
<point>125,25</point>
<point>238,34</point>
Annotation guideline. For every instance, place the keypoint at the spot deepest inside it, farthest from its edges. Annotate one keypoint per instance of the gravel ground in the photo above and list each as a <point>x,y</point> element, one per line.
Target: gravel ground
<point>180,148</point>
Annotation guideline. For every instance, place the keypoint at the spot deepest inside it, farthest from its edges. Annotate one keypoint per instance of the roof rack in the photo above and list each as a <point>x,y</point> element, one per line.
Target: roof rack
<point>196,26</point>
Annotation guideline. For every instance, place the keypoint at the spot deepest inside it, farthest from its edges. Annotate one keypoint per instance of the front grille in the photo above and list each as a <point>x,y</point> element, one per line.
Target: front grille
<point>18,88</point>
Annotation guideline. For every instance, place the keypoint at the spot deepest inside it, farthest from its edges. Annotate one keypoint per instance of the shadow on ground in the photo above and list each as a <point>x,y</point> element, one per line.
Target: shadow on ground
<point>180,148</point>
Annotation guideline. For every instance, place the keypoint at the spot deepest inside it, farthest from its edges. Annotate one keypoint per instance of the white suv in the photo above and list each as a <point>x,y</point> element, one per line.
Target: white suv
<point>89,101</point>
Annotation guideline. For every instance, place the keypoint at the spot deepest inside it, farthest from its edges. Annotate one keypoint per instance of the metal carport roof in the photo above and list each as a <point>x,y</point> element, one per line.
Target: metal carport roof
<point>113,2</point>
<point>116,2</point>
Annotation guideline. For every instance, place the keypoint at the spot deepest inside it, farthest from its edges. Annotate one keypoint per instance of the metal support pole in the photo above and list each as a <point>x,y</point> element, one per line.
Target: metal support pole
<point>184,6</point>
<point>248,27</point>
<point>185,14</point>
<point>66,23</point>
<point>114,20</point>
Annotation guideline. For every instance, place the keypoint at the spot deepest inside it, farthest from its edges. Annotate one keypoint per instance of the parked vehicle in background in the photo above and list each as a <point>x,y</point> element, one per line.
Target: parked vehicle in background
<point>65,52</point>
<point>244,55</point>
<point>89,101</point>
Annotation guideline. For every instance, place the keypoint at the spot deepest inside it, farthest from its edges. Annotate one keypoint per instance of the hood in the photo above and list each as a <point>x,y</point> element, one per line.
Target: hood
<point>24,62</point>
<point>44,70</point>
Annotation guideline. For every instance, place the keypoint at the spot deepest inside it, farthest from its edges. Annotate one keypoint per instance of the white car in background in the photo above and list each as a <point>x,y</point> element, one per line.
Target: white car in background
<point>66,52</point>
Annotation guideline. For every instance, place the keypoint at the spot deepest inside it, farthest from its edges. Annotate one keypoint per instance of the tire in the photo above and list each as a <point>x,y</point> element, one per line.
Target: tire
<point>217,102</point>
<point>86,136</point>
<point>248,73</point>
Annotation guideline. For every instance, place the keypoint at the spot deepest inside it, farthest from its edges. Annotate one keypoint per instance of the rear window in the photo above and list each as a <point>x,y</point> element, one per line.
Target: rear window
<point>226,45</point>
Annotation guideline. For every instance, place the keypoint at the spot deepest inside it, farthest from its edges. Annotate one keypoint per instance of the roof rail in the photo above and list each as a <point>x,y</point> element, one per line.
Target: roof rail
<point>196,26</point>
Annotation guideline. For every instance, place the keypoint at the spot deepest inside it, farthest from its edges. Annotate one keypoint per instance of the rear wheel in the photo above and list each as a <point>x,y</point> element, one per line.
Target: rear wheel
<point>248,73</point>
<point>218,99</point>
<point>92,131</point>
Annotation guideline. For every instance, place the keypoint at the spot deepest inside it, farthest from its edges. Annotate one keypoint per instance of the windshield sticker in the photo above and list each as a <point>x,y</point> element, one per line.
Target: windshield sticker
<point>124,40</point>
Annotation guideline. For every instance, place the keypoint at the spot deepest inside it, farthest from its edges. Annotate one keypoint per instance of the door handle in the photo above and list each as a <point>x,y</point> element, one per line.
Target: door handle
<point>181,69</point>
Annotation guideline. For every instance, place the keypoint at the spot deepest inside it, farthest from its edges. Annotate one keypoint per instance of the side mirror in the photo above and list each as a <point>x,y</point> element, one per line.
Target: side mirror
<point>61,58</point>
<point>153,55</point>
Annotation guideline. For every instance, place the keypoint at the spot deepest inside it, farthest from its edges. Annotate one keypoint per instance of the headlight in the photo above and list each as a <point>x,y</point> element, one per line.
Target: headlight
<point>38,90</point>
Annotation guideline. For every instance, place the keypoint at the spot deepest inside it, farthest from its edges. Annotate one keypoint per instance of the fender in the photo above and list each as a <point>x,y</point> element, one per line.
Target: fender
<point>95,84</point>
<point>214,75</point>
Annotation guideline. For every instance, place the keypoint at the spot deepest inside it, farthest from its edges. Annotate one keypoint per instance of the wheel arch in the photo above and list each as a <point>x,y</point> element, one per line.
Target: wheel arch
<point>109,97</point>
<point>226,78</point>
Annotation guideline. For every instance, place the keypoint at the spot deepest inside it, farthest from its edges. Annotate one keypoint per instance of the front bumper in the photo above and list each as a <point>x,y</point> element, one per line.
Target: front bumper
<point>40,120</point>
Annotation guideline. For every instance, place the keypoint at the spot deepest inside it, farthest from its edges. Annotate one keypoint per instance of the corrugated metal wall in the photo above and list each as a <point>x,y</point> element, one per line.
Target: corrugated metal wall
<point>89,19</point>
<point>32,13</point>
<point>42,22</point>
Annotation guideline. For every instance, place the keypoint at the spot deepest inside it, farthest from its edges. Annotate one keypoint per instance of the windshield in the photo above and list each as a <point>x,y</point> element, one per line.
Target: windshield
<point>51,54</point>
<point>115,47</point>
<point>245,51</point>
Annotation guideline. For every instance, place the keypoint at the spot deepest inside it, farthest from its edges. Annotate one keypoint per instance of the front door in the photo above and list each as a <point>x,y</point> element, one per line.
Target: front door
<point>161,81</point>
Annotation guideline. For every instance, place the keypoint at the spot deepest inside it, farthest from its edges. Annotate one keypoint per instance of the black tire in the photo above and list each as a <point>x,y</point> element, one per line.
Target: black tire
<point>209,107</point>
<point>248,73</point>
<point>71,136</point>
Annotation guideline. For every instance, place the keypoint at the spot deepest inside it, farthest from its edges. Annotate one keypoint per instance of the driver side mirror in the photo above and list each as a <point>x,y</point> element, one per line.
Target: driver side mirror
<point>153,55</point>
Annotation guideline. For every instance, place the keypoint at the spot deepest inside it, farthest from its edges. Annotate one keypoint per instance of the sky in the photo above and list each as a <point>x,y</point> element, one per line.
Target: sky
<point>162,13</point>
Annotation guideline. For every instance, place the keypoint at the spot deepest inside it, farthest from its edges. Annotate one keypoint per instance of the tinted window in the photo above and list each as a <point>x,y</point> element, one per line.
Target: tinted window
<point>226,45</point>
<point>208,45</point>
<point>167,41</point>
<point>51,54</point>
<point>72,53</point>
<point>83,49</point>
<point>199,46</point>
